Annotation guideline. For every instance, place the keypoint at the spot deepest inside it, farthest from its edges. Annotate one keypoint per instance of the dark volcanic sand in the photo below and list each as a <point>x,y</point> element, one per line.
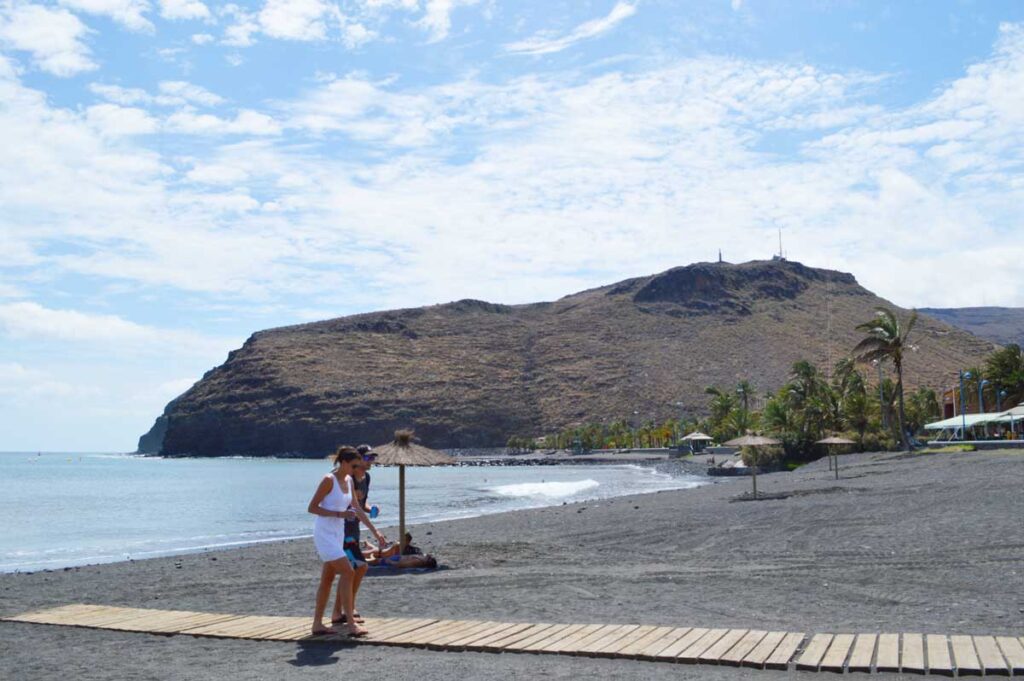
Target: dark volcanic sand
<point>931,543</point>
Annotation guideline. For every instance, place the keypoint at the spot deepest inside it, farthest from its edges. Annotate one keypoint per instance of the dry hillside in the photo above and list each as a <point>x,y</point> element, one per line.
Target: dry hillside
<point>471,373</point>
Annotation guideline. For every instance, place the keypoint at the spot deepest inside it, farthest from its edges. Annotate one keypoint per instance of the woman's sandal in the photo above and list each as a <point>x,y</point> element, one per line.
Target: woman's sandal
<point>344,618</point>
<point>357,632</point>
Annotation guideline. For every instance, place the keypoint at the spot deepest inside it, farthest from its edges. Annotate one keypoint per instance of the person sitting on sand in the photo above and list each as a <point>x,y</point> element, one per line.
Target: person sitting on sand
<point>411,550</point>
<point>332,505</point>
<point>389,557</point>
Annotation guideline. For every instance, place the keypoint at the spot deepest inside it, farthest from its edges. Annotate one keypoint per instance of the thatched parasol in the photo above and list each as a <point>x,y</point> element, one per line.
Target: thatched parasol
<point>830,443</point>
<point>754,441</point>
<point>402,452</point>
<point>697,436</point>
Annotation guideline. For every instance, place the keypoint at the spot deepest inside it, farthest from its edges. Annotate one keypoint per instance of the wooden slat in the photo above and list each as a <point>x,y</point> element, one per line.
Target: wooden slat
<point>938,655</point>
<point>672,651</point>
<point>564,638</point>
<point>835,657</point>
<point>483,643</point>
<point>145,620</point>
<point>494,628</point>
<point>539,637</point>
<point>888,659</point>
<point>397,627</point>
<point>1013,651</point>
<point>863,652</point>
<point>99,617</point>
<point>542,640</point>
<point>913,653</point>
<point>430,633</point>
<point>988,654</point>
<point>964,657</point>
<point>639,644</point>
<point>742,648</point>
<point>397,634</point>
<point>471,627</point>
<point>299,631</point>
<point>783,653</point>
<point>764,648</point>
<point>389,628</point>
<point>657,645</point>
<point>815,650</point>
<point>722,646</point>
<point>514,638</point>
<point>609,636</point>
<point>614,649</point>
<point>692,654</point>
<point>573,643</point>
<point>185,625</point>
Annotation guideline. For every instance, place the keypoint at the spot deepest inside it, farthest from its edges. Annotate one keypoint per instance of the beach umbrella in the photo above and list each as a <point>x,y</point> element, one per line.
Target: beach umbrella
<point>402,452</point>
<point>829,443</point>
<point>753,441</point>
<point>694,438</point>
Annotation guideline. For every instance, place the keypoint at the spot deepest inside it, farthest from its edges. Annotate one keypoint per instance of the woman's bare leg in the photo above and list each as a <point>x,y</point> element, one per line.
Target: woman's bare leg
<point>339,613</point>
<point>357,579</point>
<point>323,592</point>
<point>346,576</point>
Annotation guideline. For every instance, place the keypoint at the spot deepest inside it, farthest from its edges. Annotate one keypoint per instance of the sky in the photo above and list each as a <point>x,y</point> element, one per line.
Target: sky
<point>177,174</point>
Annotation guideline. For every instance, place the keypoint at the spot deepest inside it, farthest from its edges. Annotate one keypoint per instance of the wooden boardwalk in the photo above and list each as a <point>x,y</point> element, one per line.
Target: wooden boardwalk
<point>907,653</point>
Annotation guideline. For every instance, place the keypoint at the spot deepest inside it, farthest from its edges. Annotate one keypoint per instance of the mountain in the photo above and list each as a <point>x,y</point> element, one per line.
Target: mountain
<point>1003,325</point>
<point>472,373</point>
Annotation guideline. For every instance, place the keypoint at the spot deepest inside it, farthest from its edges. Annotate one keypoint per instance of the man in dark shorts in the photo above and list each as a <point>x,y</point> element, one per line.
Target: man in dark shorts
<point>353,547</point>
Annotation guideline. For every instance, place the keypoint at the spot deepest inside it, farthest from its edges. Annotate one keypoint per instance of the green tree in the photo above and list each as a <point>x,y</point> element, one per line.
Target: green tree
<point>923,407</point>
<point>887,339</point>
<point>1005,369</point>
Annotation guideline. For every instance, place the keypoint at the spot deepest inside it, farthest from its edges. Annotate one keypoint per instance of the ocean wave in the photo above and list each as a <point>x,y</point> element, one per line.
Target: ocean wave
<point>551,490</point>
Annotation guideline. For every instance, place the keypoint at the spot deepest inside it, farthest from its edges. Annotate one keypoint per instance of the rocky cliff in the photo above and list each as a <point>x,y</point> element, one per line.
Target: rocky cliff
<point>472,373</point>
<point>1003,325</point>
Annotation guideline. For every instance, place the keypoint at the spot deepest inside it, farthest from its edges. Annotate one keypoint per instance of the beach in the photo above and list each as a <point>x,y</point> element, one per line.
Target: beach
<point>907,543</point>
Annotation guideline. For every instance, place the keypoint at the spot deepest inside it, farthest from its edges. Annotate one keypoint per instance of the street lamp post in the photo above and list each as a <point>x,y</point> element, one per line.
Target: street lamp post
<point>981,400</point>
<point>1000,394</point>
<point>963,411</point>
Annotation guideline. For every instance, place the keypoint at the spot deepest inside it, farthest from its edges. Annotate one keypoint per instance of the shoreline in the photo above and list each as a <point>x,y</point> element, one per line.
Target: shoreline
<point>76,564</point>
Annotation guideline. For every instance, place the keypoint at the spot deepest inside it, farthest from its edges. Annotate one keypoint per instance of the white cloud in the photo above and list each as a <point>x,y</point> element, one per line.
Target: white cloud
<point>245,122</point>
<point>111,120</point>
<point>128,13</point>
<point>244,25</point>
<point>179,91</point>
<point>184,9</point>
<point>217,173</point>
<point>202,38</point>
<point>296,19</point>
<point>545,43</point>
<point>437,17</point>
<point>29,320</point>
<point>666,163</point>
<point>300,20</point>
<point>54,37</point>
<point>171,93</point>
<point>17,380</point>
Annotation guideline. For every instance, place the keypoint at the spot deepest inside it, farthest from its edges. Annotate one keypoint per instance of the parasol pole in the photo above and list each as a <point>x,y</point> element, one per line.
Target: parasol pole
<point>401,510</point>
<point>753,469</point>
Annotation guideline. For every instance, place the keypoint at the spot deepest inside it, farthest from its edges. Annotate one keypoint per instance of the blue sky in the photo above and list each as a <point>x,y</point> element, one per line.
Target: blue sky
<point>177,174</point>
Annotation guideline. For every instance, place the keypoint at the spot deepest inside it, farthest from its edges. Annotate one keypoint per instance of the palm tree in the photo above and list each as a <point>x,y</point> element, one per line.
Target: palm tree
<point>886,340</point>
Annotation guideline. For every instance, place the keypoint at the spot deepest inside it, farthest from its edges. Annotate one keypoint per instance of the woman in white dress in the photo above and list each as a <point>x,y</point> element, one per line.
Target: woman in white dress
<point>332,505</point>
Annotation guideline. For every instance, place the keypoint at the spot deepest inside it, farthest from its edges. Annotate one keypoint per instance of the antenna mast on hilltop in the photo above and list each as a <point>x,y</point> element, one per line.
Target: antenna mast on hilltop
<point>781,255</point>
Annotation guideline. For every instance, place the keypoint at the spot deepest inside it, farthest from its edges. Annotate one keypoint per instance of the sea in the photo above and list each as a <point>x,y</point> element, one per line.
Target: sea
<point>63,510</point>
